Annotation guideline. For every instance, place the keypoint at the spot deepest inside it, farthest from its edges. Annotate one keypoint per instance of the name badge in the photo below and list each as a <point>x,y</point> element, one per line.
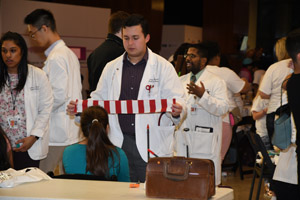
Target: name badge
<point>13,121</point>
<point>193,109</point>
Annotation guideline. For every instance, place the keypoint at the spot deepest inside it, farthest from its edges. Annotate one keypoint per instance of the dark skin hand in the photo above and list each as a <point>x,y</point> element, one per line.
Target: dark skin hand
<point>195,89</point>
<point>27,143</point>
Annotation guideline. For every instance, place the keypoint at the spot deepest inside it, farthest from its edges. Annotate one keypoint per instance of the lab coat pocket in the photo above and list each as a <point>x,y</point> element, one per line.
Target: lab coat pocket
<point>166,140</point>
<point>203,142</point>
<point>58,132</point>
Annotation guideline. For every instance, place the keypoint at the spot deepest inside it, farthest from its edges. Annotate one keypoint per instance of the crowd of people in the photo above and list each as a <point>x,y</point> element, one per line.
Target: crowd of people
<point>39,122</point>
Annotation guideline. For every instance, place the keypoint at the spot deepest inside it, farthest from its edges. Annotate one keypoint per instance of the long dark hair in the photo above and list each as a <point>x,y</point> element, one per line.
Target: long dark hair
<point>4,160</point>
<point>22,68</point>
<point>94,121</point>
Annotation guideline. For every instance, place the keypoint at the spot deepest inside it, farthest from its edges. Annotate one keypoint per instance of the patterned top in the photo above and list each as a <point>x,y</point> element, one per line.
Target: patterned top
<point>13,121</point>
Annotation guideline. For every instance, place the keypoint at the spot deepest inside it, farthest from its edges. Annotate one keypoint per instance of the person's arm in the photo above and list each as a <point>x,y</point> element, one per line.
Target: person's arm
<point>247,86</point>
<point>258,115</point>
<point>234,83</point>
<point>44,104</point>
<point>215,101</point>
<point>109,74</point>
<point>264,95</point>
<point>265,87</point>
<point>58,78</point>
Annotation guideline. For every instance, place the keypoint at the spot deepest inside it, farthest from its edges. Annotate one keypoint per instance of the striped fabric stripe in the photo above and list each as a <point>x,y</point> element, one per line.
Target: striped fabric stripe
<point>128,106</point>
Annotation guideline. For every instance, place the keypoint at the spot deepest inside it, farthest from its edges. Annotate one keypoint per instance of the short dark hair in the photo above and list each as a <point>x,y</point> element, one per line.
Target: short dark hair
<point>22,68</point>
<point>202,50</point>
<point>212,48</point>
<point>40,17</point>
<point>292,44</point>
<point>137,19</point>
<point>116,21</point>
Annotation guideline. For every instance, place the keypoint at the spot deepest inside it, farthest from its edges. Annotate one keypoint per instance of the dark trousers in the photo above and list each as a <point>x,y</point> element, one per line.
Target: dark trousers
<point>137,166</point>
<point>285,191</point>
<point>270,126</point>
<point>22,160</point>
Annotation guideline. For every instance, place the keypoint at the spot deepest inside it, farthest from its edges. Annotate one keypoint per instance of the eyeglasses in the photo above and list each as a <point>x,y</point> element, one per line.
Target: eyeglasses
<point>190,55</point>
<point>32,35</point>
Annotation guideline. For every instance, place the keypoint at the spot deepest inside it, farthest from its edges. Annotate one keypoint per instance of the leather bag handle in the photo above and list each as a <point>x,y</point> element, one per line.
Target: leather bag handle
<point>176,177</point>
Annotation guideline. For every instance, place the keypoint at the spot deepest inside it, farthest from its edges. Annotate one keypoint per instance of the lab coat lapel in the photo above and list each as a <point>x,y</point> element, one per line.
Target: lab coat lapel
<point>117,78</point>
<point>149,70</point>
<point>202,78</point>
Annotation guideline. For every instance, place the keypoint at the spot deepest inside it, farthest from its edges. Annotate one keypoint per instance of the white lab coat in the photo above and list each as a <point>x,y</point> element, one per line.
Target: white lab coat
<point>38,100</point>
<point>63,70</point>
<point>204,135</point>
<point>166,85</point>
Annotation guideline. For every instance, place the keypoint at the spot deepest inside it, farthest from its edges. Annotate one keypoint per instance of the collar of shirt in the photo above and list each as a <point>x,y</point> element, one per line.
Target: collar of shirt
<point>47,52</point>
<point>116,39</point>
<point>198,74</point>
<point>144,59</point>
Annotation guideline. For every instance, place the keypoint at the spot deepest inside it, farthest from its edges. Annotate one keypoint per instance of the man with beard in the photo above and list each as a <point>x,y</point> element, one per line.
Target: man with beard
<point>200,135</point>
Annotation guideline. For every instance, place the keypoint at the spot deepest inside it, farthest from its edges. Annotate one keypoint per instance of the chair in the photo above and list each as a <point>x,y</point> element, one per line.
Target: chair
<point>82,177</point>
<point>239,137</point>
<point>266,170</point>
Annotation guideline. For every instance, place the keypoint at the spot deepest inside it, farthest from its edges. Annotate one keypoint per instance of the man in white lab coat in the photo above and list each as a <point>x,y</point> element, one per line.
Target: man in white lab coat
<point>63,70</point>
<point>140,74</point>
<point>200,135</point>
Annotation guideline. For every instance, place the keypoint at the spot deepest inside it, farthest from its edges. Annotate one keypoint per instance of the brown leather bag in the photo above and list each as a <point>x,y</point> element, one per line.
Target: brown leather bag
<point>180,178</point>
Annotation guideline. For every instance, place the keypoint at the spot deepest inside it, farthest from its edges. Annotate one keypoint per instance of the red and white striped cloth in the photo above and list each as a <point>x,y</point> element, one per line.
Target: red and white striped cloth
<point>128,106</point>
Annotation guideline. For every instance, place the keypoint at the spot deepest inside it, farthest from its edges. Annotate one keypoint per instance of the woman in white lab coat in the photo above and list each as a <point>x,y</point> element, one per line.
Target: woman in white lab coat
<point>26,102</point>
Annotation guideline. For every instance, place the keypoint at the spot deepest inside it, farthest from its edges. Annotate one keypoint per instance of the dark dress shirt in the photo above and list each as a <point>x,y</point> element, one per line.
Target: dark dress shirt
<point>131,80</point>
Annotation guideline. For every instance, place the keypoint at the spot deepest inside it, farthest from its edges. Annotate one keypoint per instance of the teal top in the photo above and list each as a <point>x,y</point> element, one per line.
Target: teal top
<point>74,161</point>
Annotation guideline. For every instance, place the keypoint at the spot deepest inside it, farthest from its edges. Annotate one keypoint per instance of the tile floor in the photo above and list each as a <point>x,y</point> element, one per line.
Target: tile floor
<point>242,187</point>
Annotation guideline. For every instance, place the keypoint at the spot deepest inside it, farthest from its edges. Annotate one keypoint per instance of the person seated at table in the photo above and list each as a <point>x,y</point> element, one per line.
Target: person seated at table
<point>96,155</point>
<point>6,159</point>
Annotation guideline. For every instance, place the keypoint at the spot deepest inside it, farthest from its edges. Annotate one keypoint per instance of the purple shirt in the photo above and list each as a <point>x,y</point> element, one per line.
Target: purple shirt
<point>130,85</point>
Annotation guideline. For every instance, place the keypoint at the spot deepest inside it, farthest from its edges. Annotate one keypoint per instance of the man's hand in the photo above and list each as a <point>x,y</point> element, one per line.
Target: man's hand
<point>27,143</point>
<point>176,110</point>
<point>71,107</point>
<point>195,89</point>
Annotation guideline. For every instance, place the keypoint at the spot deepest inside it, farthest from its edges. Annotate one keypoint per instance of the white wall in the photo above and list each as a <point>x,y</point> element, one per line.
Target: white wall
<point>78,26</point>
<point>174,35</point>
